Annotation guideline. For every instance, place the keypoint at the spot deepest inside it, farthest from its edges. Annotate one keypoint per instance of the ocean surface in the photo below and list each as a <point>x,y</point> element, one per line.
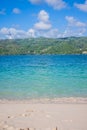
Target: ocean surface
<point>43,76</point>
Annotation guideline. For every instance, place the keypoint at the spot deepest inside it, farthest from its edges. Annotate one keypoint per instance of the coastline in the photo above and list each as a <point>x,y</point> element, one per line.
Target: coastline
<point>62,100</point>
<point>24,113</point>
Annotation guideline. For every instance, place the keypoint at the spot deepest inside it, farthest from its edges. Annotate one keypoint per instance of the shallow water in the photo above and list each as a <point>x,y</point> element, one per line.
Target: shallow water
<point>43,76</point>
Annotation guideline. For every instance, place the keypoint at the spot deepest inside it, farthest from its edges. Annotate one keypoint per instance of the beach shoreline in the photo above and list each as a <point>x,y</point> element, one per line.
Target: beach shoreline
<point>27,115</point>
<point>62,100</point>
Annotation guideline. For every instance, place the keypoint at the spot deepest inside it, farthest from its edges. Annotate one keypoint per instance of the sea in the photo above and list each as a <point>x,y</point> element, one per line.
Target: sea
<point>43,76</point>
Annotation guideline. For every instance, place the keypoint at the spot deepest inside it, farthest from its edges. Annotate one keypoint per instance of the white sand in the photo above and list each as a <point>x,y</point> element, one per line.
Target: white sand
<point>43,116</point>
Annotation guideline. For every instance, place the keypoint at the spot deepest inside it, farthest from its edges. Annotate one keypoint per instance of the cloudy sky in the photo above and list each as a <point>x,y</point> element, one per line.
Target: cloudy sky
<point>46,18</point>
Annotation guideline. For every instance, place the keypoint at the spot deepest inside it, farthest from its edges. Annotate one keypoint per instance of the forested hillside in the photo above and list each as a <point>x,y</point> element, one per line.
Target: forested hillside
<point>72,45</point>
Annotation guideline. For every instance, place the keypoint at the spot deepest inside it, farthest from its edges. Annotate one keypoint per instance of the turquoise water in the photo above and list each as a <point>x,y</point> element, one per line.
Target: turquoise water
<point>43,76</point>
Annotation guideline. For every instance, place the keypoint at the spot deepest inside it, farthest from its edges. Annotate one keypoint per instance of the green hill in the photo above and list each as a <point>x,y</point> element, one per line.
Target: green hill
<point>72,45</point>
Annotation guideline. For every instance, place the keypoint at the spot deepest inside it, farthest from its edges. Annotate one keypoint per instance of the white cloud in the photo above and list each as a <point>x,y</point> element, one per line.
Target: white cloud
<point>74,22</point>
<point>16,11</point>
<point>12,33</point>
<point>52,33</point>
<point>82,7</point>
<point>75,27</point>
<point>43,23</point>
<point>56,4</point>
<point>73,32</point>
<point>4,30</point>
<point>42,26</point>
<point>43,16</point>
<point>35,1</point>
<point>3,11</point>
<point>31,33</point>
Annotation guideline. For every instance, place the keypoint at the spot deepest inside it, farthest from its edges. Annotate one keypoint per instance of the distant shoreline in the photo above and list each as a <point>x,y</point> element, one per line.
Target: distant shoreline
<point>69,45</point>
<point>40,54</point>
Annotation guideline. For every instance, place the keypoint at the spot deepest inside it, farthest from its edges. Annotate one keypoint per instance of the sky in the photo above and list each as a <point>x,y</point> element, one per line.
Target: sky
<point>42,18</point>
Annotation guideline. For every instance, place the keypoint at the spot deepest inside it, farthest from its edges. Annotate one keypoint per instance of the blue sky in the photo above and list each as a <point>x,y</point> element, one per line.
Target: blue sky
<point>47,18</point>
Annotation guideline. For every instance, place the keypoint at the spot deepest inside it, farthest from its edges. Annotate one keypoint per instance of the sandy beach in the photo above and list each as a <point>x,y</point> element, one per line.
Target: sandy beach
<point>43,116</point>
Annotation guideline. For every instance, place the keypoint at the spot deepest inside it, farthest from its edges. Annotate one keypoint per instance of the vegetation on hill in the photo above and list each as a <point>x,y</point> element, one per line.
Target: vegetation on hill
<point>72,45</point>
